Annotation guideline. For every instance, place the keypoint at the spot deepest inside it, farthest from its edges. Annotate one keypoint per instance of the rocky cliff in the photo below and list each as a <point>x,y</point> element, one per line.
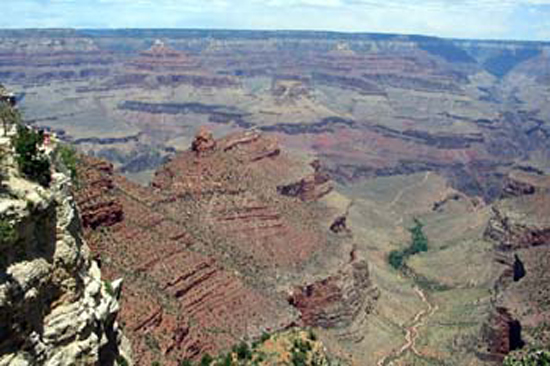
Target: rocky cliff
<point>520,231</point>
<point>54,307</point>
<point>212,249</point>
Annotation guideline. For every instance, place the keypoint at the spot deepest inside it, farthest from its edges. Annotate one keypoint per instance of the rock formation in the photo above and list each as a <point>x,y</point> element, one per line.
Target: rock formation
<point>336,301</point>
<point>204,141</point>
<point>217,246</point>
<point>520,231</point>
<point>162,58</point>
<point>54,307</point>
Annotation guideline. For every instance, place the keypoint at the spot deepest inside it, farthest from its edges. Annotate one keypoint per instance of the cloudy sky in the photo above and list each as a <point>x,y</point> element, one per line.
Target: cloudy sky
<point>494,19</point>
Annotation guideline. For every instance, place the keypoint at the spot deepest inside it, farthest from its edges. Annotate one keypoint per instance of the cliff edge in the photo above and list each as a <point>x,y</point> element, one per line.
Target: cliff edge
<point>54,307</point>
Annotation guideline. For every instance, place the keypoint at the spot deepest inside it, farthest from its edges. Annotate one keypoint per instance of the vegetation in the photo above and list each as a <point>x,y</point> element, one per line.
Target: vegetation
<point>109,288</point>
<point>242,351</point>
<point>419,244</point>
<point>8,234</point>
<point>9,116</point>
<point>69,158</point>
<point>533,358</point>
<point>299,345</point>
<point>186,362</point>
<point>31,160</point>
<point>206,360</point>
<point>121,361</point>
<point>2,166</point>
<point>300,351</point>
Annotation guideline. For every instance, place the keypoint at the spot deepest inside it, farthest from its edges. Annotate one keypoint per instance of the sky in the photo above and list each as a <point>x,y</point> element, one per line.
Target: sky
<point>482,19</point>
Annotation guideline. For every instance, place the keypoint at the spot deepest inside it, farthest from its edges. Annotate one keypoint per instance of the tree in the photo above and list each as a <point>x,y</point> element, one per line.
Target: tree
<point>419,243</point>
<point>31,161</point>
<point>396,259</point>
<point>243,351</point>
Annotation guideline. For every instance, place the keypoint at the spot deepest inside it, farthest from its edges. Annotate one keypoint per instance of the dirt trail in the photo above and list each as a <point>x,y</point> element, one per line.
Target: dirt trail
<point>411,334</point>
<point>402,191</point>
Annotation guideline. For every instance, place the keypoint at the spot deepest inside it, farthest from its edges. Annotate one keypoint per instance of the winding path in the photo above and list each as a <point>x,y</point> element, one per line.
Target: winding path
<point>399,194</point>
<point>411,334</point>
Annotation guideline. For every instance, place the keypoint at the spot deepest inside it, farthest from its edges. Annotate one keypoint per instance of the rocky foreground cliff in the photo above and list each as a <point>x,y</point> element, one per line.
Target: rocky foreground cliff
<point>54,307</point>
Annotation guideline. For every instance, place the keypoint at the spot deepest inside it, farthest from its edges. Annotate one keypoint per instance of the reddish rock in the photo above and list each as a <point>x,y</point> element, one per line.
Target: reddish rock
<point>502,334</point>
<point>336,300</point>
<point>204,141</point>
<point>96,202</point>
<point>310,188</point>
<point>206,241</point>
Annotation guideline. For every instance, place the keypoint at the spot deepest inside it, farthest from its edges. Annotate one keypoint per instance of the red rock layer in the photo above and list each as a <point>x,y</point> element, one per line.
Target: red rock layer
<point>200,249</point>
<point>335,301</point>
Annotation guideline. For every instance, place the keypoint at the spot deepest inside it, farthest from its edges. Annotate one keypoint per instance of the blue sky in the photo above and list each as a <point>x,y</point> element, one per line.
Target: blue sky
<point>494,19</point>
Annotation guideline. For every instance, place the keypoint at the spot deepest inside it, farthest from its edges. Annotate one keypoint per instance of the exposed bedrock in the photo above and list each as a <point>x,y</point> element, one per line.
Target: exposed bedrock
<point>510,232</point>
<point>338,300</point>
<point>54,307</point>
<point>97,206</point>
<point>502,333</point>
<point>310,188</point>
<point>428,83</point>
<point>360,85</point>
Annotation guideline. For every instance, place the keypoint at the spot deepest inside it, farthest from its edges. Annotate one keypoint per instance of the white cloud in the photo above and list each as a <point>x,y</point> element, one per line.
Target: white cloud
<point>453,18</point>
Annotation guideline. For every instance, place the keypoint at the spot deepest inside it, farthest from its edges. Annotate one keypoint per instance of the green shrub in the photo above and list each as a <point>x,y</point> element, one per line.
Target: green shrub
<point>265,337</point>
<point>121,361</point>
<point>396,259</point>
<point>299,358</point>
<point>533,358</point>
<point>186,362</point>
<point>419,240</point>
<point>206,360</point>
<point>419,243</point>
<point>69,158</point>
<point>8,234</point>
<point>31,161</point>
<point>243,351</point>
<point>109,288</point>
<point>227,360</point>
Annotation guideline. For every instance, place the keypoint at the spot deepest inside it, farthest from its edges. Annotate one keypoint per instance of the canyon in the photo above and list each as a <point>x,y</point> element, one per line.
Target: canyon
<point>244,182</point>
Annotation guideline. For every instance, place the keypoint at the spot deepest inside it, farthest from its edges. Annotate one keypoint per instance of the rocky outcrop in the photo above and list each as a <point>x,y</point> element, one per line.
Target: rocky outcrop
<point>310,188</point>
<point>511,228</point>
<point>54,307</point>
<point>520,231</point>
<point>525,182</point>
<point>207,241</point>
<point>503,334</point>
<point>161,58</point>
<point>96,202</point>
<point>204,141</point>
<point>338,300</point>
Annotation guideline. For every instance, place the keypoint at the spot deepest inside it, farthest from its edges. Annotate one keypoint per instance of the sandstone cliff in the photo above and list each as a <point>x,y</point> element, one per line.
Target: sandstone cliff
<point>54,307</point>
